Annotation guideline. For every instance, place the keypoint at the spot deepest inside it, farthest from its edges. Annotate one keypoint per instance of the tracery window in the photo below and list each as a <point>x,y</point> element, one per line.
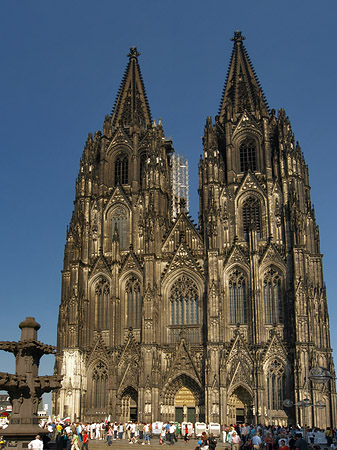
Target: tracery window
<point>119,221</point>
<point>237,298</point>
<point>134,303</point>
<point>248,155</point>
<point>184,300</point>
<point>99,393</point>
<point>102,293</point>
<point>272,293</point>
<point>275,385</point>
<point>122,169</point>
<point>251,215</point>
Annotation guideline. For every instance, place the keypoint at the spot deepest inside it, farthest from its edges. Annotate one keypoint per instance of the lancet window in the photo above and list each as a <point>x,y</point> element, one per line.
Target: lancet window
<point>122,169</point>
<point>119,221</point>
<point>184,299</point>
<point>251,215</point>
<point>102,294</point>
<point>237,298</point>
<point>275,385</point>
<point>134,303</point>
<point>99,394</point>
<point>248,155</point>
<point>142,163</point>
<point>272,292</point>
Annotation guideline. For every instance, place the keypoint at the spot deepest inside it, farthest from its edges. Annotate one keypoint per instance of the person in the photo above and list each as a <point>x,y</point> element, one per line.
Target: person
<point>212,442</point>
<point>36,444</point>
<point>235,440</point>
<point>186,436</point>
<point>268,440</point>
<point>59,440</point>
<point>300,444</point>
<point>74,444</point>
<point>283,446</point>
<point>172,432</point>
<point>328,435</point>
<point>256,441</point>
<point>85,441</point>
<point>109,435</point>
<point>162,436</point>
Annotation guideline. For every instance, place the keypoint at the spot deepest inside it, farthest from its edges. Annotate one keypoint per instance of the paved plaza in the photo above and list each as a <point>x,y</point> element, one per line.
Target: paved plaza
<point>102,445</point>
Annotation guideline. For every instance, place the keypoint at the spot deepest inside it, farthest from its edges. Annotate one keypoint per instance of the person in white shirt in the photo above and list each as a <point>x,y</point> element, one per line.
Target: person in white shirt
<point>36,444</point>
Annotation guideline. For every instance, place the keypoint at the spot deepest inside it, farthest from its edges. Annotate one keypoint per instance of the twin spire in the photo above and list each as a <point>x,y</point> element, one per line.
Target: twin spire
<point>242,91</point>
<point>131,107</point>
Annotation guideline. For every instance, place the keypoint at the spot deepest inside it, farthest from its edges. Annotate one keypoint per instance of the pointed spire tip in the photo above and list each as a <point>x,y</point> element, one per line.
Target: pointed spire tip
<point>134,53</point>
<point>238,37</point>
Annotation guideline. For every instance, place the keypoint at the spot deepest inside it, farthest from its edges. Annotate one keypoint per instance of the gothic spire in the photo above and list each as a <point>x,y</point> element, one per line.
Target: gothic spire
<point>131,106</point>
<point>242,91</point>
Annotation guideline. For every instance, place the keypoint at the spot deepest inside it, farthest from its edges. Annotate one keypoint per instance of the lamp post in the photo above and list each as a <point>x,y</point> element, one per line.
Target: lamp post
<point>318,375</point>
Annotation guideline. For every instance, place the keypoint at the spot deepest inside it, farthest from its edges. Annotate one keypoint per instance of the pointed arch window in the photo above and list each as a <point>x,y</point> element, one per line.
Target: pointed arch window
<point>275,385</point>
<point>248,155</point>
<point>272,293</point>
<point>99,386</point>
<point>102,294</point>
<point>119,222</point>
<point>134,303</point>
<point>184,299</point>
<point>122,169</point>
<point>237,298</point>
<point>251,215</point>
<point>142,164</point>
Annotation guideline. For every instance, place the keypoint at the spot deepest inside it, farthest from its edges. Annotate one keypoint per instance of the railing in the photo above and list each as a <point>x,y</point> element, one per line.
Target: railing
<point>193,335</point>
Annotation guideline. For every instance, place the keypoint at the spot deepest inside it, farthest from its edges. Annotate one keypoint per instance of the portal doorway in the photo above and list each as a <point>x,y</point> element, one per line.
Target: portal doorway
<point>240,405</point>
<point>129,404</point>
<point>184,404</point>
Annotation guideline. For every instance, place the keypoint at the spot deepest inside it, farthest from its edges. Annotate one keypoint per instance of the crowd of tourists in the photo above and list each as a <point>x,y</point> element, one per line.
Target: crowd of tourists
<point>76,436</point>
<point>242,436</point>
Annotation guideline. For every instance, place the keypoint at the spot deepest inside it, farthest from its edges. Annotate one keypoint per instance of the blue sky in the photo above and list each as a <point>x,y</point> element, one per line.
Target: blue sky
<point>62,64</point>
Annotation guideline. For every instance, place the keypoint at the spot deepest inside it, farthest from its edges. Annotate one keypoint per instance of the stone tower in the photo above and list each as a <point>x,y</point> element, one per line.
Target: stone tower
<point>163,320</point>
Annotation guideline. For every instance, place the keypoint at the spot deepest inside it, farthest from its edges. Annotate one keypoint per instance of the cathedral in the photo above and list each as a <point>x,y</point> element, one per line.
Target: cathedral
<point>163,319</point>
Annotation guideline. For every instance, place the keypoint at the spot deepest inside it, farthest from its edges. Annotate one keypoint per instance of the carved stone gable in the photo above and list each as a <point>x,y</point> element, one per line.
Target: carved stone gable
<point>275,348</point>
<point>100,266</point>
<point>247,123</point>
<point>250,183</point>
<point>131,263</point>
<point>183,230</point>
<point>271,255</point>
<point>239,349</point>
<point>119,138</point>
<point>183,363</point>
<point>182,259</point>
<point>130,353</point>
<point>237,256</point>
<point>118,196</point>
<point>99,350</point>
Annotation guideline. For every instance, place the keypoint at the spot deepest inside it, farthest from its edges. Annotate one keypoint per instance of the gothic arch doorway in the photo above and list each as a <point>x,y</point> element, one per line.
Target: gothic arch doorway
<point>184,405</point>
<point>182,400</point>
<point>240,406</point>
<point>129,405</point>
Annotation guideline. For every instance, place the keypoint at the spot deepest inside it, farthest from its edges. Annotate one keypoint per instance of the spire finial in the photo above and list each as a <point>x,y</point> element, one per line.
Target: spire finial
<point>238,37</point>
<point>134,53</point>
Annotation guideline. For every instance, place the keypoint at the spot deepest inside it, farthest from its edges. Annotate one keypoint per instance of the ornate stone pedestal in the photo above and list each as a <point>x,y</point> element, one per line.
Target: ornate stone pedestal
<point>25,388</point>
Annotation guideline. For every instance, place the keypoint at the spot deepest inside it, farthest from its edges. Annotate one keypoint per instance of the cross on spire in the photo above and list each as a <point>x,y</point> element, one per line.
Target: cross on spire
<point>134,53</point>
<point>238,37</point>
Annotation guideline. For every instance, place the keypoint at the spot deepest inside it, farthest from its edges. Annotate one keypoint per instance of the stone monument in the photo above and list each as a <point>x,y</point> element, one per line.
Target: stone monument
<point>26,387</point>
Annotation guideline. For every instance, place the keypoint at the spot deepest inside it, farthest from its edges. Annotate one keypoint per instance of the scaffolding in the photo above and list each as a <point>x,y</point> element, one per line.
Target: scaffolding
<point>179,179</point>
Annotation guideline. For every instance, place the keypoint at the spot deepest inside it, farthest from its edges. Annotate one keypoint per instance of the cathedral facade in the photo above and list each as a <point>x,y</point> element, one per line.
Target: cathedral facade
<point>222,322</point>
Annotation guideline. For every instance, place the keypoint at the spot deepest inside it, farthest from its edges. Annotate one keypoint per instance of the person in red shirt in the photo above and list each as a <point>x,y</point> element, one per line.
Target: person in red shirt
<point>85,441</point>
<point>283,445</point>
